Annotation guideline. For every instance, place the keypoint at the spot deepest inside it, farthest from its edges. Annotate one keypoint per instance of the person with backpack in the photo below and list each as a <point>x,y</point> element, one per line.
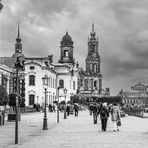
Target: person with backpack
<point>104,114</point>
<point>76,109</point>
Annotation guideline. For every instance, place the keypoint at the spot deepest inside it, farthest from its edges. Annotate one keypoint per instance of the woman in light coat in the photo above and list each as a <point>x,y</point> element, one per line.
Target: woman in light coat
<point>115,116</point>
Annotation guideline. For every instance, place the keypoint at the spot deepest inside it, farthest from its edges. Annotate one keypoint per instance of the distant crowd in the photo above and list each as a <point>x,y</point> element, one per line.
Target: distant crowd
<point>100,111</point>
<point>69,108</point>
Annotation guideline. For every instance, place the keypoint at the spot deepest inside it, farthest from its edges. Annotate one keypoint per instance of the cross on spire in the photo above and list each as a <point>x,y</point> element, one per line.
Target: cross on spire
<point>93,27</point>
<point>18,31</point>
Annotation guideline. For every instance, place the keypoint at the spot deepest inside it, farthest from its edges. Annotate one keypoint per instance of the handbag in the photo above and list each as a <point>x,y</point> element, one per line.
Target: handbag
<point>119,122</point>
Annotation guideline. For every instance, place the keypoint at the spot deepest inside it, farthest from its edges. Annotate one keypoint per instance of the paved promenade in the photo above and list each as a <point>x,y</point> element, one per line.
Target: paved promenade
<point>74,132</point>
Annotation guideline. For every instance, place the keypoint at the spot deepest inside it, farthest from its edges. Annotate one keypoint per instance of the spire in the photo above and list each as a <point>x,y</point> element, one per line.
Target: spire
<point>18,31</point>
<point>18,39</point>
<point>92,33</point>
<point>18,45</point>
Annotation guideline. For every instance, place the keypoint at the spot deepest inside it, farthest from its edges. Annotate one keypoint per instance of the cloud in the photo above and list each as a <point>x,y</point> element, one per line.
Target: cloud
<point>121,25</point>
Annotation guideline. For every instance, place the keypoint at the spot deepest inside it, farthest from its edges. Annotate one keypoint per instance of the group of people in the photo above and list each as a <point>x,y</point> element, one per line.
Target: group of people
<point>70,108</point>
<point>104,110</point>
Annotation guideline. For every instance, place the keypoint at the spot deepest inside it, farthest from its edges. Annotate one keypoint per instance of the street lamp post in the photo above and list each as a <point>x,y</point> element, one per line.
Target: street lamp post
<point>65,93</point>
<point>19,65</point>
<point>58,104</point>
<point>45,80</point>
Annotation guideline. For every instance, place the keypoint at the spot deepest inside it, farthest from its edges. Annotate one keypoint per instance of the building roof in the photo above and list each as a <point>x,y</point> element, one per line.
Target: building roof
<point>67,38</point>
<point>139,86</point>
<point>8,61</point>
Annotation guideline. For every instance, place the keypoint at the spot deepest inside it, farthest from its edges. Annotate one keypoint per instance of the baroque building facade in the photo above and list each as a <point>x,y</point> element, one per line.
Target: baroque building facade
<point>90,81</point>
<point>63,73</point>
<point>67,73</point>
<point>136,97</point>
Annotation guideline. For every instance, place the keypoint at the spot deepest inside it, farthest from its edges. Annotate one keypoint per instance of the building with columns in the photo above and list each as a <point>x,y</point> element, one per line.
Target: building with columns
<point>6,77</point>
<point>137,96</point>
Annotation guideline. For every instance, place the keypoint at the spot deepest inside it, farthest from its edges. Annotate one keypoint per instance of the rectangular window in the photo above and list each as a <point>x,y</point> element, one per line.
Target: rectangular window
<point>85,84</point>
<point>31,99</point>
<point>4,81</point>
<point>32,80</point>
<point>61,83</point>
<point>74,85</point>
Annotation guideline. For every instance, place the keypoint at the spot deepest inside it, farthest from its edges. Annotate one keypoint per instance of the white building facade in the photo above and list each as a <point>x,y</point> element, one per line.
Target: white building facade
<point>62,74</point>
<point>5,77</point>
<point>35,69</point>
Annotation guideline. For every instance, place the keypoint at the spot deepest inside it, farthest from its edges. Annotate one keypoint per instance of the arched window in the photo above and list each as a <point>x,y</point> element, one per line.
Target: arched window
<point>65,53</point>
<point>32,80</point>
<point>95,68</point>
<point>95,84</point>
<point>90,67</point>
<point>61,83</point>
<point>31,99</point>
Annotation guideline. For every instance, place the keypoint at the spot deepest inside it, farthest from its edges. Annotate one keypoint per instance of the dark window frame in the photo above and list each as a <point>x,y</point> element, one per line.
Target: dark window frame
<point>31,99</point>
<point>31,80</point>
<point>61,83</point>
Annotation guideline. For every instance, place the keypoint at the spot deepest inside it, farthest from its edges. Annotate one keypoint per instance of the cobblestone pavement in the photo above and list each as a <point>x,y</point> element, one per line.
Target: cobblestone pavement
<point>74,132</point>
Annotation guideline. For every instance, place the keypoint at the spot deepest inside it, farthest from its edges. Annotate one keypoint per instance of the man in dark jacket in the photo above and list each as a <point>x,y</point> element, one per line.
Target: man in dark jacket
<point>76,109</point>
<point>104,114</point>
<point>95,112</point>
<point>68,109</point>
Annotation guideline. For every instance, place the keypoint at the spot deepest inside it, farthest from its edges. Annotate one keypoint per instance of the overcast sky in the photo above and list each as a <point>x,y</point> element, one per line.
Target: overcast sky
<point>121,26</point>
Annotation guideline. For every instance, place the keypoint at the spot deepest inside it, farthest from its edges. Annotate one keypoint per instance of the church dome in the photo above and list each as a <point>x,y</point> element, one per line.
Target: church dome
<point>66,40</point>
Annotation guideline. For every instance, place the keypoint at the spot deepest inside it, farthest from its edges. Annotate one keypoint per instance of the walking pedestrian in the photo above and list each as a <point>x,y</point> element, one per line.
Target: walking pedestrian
<point>95,112</point>
<point>104,114</point>
<point>115,116</point>
<point>68,109</point>
<point>76,109</point>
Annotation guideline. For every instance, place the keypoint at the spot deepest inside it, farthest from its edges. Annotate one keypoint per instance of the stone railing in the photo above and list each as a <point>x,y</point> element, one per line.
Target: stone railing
<point>134,111</point>
<point>27,109</point>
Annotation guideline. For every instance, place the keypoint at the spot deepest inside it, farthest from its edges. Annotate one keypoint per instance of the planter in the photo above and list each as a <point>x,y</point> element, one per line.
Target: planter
<point>12,117</point>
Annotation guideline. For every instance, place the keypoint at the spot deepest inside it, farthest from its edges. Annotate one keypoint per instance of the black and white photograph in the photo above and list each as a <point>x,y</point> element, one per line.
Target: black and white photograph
<point>73,73</point>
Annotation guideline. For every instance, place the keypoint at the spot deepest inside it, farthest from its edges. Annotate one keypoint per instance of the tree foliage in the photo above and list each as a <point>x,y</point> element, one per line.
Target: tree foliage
<point>12,99</point>
<point>75,99</point>
<point>3,96</point>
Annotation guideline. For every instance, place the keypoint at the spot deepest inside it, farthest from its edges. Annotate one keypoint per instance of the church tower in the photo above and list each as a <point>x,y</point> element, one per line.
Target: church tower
<point>93,76</point>
<point>18,46</point>
<point>66,50</point>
